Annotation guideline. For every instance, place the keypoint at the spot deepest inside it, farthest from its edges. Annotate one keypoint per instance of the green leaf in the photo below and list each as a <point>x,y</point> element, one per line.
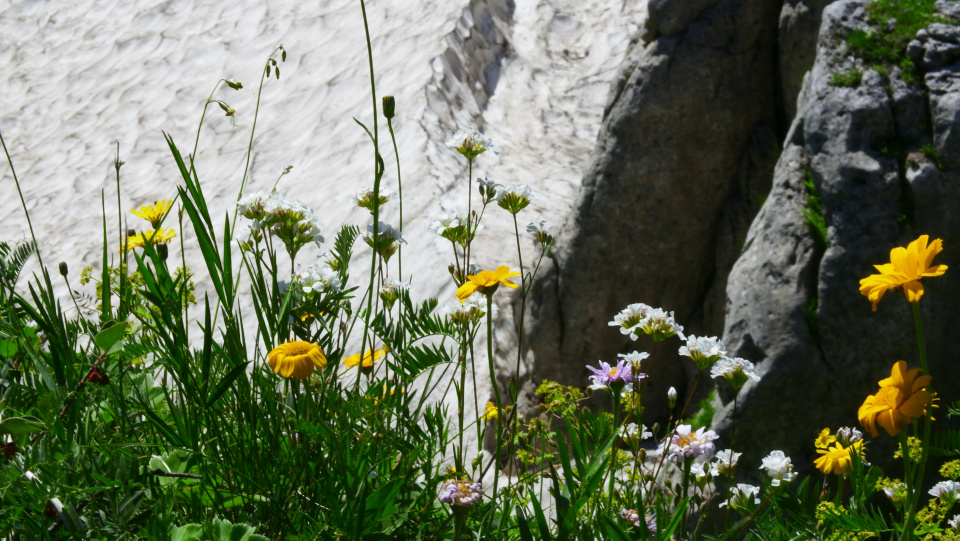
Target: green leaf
<point>8,348</point>
<point>187,532</point>
<point>20,425</point>
<point>109,337</point>
<point>226,382</point>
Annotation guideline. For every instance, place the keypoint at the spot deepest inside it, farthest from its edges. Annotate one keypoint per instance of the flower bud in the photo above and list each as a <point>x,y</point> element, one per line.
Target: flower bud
<point>672,397</point>
<point>63,269</point>
<point>233,84</point>
<point>389,106</point>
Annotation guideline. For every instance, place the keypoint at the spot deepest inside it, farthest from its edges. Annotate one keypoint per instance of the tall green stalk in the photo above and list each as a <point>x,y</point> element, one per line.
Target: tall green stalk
<point>913,489</point>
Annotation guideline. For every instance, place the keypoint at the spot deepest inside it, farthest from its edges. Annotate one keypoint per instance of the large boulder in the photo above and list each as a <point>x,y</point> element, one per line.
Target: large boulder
<point>684,154</point>
<point>795,308</point>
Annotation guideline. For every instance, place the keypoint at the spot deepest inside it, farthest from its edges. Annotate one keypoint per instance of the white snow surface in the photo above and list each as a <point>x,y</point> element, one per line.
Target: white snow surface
<point>76,77</point>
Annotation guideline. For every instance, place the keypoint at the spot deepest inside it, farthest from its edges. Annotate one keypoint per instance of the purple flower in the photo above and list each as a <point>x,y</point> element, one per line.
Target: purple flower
<point>461,493</point>
<point>607,375</point>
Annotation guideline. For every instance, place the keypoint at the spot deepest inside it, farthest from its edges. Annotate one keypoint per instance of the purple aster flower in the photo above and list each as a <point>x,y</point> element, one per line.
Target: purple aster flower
<point>461,493</point>
<point>607,375</point>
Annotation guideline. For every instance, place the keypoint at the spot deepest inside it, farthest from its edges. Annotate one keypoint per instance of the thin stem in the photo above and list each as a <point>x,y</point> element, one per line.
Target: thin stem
<point>690,397</point>
<point>23,203</point>
<point>913,491</point>
<point>613,450</point>
<point>396,153</point>
<point>496,390</point>
<point>466,251</point>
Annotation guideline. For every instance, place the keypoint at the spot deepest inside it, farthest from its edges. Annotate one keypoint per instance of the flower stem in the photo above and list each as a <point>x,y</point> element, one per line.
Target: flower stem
<point>399,198</point>
<point>913,489</point>
<point>496,390</point>
<point>613,450</point>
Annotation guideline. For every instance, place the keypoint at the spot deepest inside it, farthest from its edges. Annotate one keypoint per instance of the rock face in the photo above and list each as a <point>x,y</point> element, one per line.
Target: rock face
<point>687,146</point>
<point>794,308</point>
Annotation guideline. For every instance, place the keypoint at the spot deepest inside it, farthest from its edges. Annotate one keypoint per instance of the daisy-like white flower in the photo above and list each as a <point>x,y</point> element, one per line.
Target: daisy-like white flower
<point>736,370</point>
<point>514,197</point>
<point>619,376</point>
<point>703,351</point>
<point>470,142</point>
<point>742,497</point>
<point>659,325</point>
<point>726,461</point>
<point>779,467</point>
<point>685,444</point>
<point>461,493</point>
<point>630,317</point>
<point>947,490</point>
<point>634,431</point>
<point>365,197</point>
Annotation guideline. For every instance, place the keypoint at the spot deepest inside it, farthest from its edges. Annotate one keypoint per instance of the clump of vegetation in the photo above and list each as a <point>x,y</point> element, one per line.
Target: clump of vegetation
<point>931,153</point>
<point>813,214</point>
<point>849,78</point>
<point>894,23</point>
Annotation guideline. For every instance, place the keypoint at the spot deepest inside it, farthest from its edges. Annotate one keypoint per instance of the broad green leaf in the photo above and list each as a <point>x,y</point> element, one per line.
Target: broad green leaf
<point>20,425</point>
<point>109,337</point>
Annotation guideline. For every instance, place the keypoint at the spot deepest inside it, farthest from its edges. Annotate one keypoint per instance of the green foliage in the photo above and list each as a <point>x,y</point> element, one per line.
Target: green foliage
<point>850,78</point>
<point>931,153</point>
<point>813,214</point>
<point>893,24</point>
<point>810,314</point>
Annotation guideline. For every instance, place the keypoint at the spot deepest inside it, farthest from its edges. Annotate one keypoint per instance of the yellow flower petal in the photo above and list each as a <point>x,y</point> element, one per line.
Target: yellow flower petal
<point>297,359</point>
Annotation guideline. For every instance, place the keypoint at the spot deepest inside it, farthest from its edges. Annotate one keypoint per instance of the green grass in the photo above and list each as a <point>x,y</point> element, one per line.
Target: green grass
<point>893,24</point>
<point>849,78</point>
<point>813,214</point>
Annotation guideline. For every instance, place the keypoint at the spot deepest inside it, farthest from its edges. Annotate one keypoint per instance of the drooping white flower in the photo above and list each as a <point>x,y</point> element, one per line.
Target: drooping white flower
<point>779,467</point>
<point>704,351</point>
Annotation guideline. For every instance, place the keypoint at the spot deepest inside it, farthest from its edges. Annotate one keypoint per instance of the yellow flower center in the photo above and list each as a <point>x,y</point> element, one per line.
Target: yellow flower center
<point>891,397</point>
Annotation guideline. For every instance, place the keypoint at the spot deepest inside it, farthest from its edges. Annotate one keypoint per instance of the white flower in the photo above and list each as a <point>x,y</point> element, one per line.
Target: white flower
<point>317,278</point>
<point>365,197</point>
<point>541,227</point>
<point>470,142</point>
<point>700,470</point>
<point>630,317</point>
<point>726,461</point>
<point>704,351</point>
<point>659,325</point>
<point>386,233</point>
<point>743,495</point>
<point>632,431</point>
<point>779,467</point>
<point>954,522</point>
<point>847,436</point>
<point>635,358</point>
<point>736,370</point>
<point>489,189</point>
<point>948,490</point>
<point>461,493</point>
<point>684,444</point>
<point>472,309</point>
<point>447,221</point>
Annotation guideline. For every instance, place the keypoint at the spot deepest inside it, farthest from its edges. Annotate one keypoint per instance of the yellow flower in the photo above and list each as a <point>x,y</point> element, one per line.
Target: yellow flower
<point>368,358</point>
<point>824,439</point>
<point>837,460</point>
<point>491,412</point>
<point>907,266</point>
<point>297,359</point>
<point>154,214</point>
<point>486,280</point>
<point>901,399</point>
<point>158,237</point>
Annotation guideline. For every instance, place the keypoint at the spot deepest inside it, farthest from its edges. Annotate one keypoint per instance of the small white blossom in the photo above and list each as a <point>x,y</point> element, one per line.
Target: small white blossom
<point>726,461</point>
<point>470,142</point>
<point>779,467</point>
<point>684,443</point>
<point>703,351</point>
<point>317,278</point>
<point>659,325</point>
<point>742,496</point>
<point>954,522</point>
<point>538,227</point>
<point>847,435</point>
<point>364,197</point>
<point>700,470</point>
<point>736,370</point>
<point>632,431</point>
<point>630,317</point>
<point>948,490</point>
<point>472,309</point>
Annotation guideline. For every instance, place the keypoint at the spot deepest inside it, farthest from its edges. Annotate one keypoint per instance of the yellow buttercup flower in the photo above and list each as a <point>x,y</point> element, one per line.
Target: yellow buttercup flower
<point>907,266</point>
<point>486,280</point>
<point>491,412</point>
<point>901,399</point>
<point>155,213</point>
<point>156,238</point>
<point>824,439</point>
<point>368,359</point>
<point>297,359</point>
<point>837,460</point>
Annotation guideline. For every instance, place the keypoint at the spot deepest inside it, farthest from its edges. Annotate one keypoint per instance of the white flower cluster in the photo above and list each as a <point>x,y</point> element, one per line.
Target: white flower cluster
<point>947,490</point>
<point>736,370</point>
<point>704,351</point>
<point>317,278</point>
<point>743,495</point>
<point>639,318</point>
<point>470,310</point>
<point>290,220</point>
<point>779,467</point>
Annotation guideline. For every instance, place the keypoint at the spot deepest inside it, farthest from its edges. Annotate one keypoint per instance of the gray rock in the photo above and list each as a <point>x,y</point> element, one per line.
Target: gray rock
<point>683,158</point>
<point>797,47</point>
<point>796,310</point>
